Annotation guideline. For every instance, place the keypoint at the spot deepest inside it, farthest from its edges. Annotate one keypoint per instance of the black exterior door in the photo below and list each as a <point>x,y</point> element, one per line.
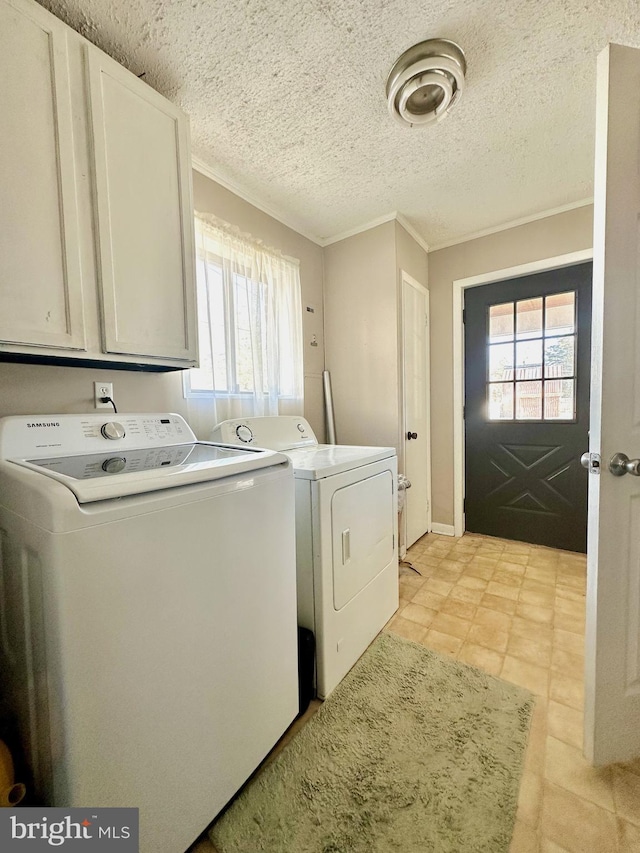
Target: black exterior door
<point>527,364</point>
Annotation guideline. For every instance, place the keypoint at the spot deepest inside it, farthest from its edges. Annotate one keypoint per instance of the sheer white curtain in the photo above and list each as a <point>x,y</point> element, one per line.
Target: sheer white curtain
<point>250,329</point>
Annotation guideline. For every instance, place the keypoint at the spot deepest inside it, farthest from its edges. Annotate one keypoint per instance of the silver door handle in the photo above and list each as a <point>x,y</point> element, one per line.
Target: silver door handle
<point>585,459</point>
<point>620,464</point>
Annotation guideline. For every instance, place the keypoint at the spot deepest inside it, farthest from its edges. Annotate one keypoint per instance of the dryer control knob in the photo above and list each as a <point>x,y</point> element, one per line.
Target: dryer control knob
<point>244,433</point>
<point>112,430</point>
<point>300,428</point>
<point>114,465</point>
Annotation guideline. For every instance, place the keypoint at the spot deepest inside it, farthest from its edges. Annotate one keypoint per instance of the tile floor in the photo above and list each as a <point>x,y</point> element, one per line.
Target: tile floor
<point>517,611</point>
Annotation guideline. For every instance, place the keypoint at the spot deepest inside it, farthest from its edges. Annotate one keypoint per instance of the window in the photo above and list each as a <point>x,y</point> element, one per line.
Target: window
<point>532,358</point>
<point>249,324</point>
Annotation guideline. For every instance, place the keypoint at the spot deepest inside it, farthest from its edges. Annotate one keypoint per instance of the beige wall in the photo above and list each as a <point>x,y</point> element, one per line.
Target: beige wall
<point>410,256</point>
<point>361,327</point>
<point>545,238</point>
<point>36,389</point>
<point>361,351</point>
<point>209,197</point>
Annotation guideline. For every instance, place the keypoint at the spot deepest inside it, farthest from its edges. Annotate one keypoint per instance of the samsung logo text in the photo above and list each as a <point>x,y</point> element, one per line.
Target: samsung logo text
<point>44,424</point>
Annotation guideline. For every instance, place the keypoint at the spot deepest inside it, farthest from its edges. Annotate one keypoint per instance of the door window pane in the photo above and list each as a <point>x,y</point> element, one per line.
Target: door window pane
<point>529,360</point>
<point>500,362</point>
<point>544,350</point>
<point>500,401</point>
<point>559,356</point>
<point>501,323</point>
<point>528,401</point>
<point>560,313</point>
<point>529,318</point>
<point>559,399</point>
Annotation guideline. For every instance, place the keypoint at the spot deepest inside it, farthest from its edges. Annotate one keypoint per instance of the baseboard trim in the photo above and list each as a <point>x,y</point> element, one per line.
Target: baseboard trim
<point>443,529</point>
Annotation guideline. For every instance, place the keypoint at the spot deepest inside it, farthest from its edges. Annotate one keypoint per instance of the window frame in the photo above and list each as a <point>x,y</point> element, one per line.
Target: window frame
<point>229,308</point>
<point>543,337</point>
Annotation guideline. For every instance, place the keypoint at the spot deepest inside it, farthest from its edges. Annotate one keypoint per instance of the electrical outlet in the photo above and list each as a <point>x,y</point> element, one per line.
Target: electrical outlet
<point>102,389</point>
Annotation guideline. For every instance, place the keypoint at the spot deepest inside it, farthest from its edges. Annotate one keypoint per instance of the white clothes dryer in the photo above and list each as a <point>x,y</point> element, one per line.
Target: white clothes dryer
<point>147,614</point>
<point>346,536</point>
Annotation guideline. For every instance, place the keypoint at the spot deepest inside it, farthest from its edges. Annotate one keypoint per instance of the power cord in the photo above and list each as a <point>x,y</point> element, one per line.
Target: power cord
<point>109,400</point>
<point>405,564</point>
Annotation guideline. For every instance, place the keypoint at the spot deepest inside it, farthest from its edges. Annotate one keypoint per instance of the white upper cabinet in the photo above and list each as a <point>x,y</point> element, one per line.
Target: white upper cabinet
<point>144,214</point>
<point>40,284</point>
<point>96,216</point>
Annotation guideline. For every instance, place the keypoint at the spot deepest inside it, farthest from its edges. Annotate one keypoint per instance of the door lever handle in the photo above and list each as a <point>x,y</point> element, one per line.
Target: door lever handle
<point>620,464</point>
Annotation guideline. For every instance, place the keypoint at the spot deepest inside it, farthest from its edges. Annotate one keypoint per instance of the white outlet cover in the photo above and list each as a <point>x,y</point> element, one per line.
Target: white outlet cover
<point>102,389</point>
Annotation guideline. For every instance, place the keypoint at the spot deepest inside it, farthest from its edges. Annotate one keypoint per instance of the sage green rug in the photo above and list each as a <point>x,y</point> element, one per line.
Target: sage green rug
<point>413,752</point>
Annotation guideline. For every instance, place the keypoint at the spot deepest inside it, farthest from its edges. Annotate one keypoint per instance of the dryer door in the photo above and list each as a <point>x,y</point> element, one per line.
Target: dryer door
<point>363,528</point>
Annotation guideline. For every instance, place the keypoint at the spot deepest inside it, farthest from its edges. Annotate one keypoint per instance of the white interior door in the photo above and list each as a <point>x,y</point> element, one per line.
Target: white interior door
<point>612,677</point>
<point>416,428</point>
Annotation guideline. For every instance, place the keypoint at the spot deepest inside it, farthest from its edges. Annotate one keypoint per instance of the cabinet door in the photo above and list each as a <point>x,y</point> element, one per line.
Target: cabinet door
<point>40,286</point>
<point>144,216</point>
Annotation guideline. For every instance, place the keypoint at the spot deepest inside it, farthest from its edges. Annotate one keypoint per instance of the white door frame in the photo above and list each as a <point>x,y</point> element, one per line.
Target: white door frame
<point>404,276</point>
<point>459,286</point>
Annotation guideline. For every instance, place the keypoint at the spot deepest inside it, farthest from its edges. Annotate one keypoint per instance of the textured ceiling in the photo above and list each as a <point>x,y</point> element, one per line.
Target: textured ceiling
<point>286,99</point>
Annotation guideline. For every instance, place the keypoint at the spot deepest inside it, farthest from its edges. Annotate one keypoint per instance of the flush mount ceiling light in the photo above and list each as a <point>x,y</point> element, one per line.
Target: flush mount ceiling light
<point>426,81</point>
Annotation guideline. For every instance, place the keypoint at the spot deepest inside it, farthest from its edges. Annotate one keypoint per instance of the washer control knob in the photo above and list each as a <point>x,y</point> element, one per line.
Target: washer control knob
<point>112,430</point>
<point>300,428</point>
<point>114,465</point>
<point>244,433</point>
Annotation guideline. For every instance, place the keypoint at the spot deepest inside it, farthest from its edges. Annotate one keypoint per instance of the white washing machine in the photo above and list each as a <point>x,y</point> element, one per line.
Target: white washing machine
<point>148,639</point>
<point>346,536</point>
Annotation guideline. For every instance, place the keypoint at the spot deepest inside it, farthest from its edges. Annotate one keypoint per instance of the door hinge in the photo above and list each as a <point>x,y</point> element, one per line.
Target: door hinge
<point>464,315</point>
<point>426,319</point>
<point>464,412</point>
<point>464,504</point>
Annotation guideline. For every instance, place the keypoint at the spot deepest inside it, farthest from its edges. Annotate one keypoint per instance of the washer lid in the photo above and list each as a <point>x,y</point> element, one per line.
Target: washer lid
<point>100,476</point>
<point>325,460</point>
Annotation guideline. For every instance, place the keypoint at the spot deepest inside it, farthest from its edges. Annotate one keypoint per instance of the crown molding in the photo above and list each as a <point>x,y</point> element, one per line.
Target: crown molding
<point>408,227</point>
<point>486,232</point>
<point>367,226</point>
<point>206,170</point>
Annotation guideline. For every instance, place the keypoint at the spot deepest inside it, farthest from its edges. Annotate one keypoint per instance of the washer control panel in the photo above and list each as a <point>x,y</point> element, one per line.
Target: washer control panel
<point>58,435</point>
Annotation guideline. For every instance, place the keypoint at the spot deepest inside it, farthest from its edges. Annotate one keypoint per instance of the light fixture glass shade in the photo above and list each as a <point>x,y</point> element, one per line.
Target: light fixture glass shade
<point>426,81</point>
